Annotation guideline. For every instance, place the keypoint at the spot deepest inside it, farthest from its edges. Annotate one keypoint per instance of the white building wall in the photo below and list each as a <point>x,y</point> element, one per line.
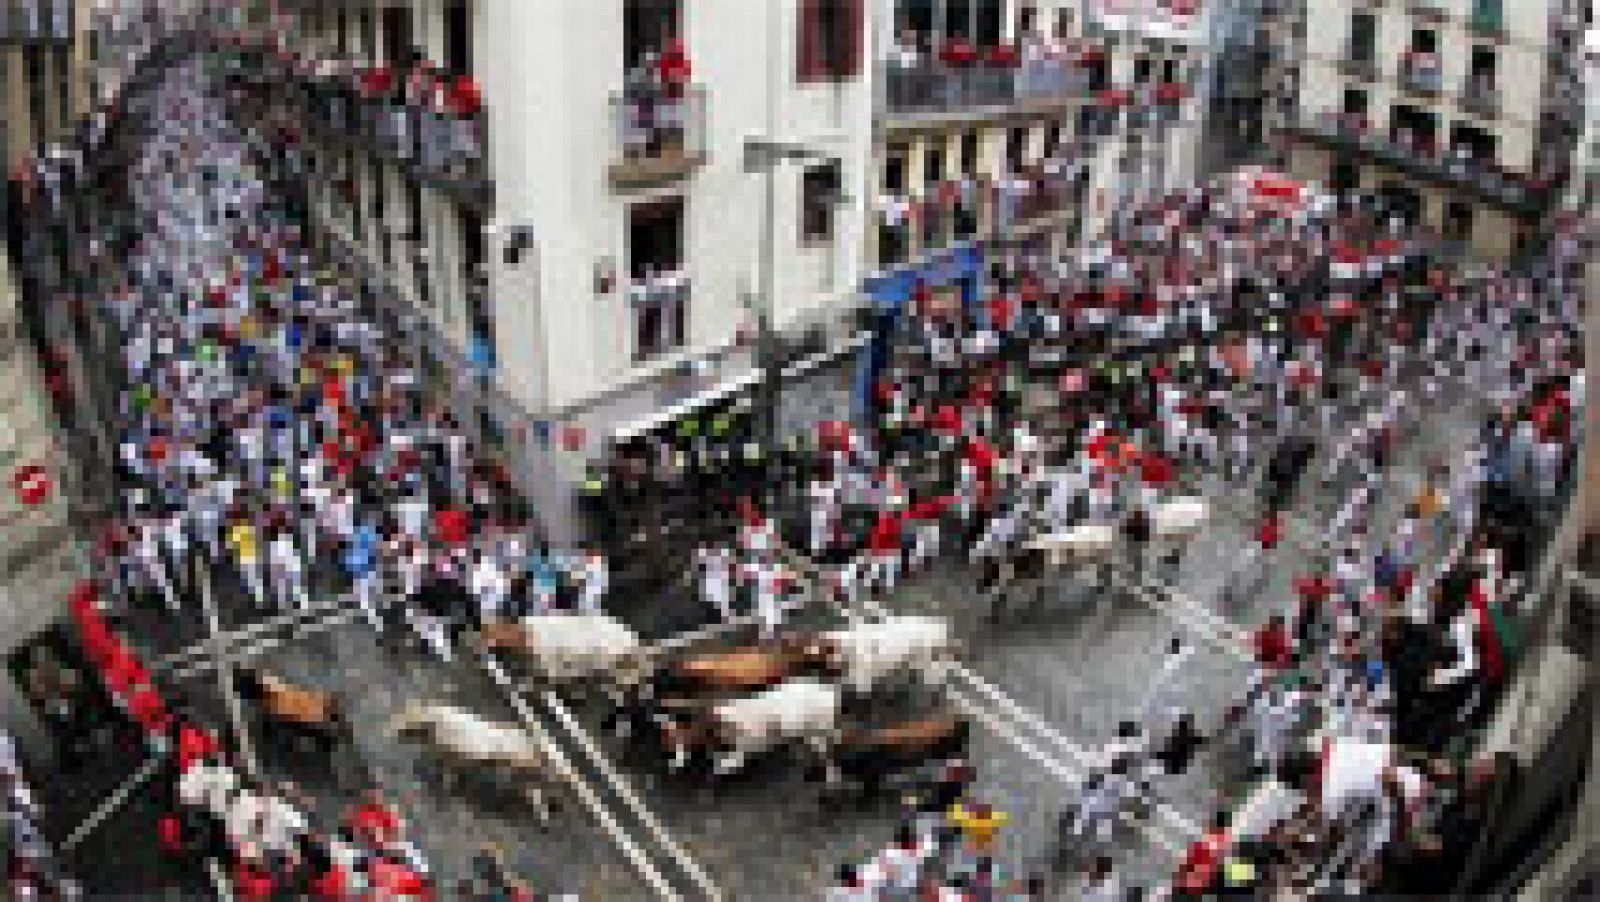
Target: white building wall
<point>548,71</point>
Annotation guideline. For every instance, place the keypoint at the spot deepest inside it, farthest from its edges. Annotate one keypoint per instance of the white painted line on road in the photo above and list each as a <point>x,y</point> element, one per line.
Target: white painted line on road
<point>113,802</point>
<point>629,797</point>
<point>1193,615</point>
<point>1188,828</point>
<point>1070,773</point>
<point>586,794</point>
<point>213,645</point>
<point>230,693</point>
<point>310,628</point>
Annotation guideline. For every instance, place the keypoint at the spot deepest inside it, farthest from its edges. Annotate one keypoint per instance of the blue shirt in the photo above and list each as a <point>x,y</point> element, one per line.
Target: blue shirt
<point>360,558</point>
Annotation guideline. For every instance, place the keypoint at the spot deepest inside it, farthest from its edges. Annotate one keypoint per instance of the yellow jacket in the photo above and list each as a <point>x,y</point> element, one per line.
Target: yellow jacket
<point>242,536</point>
<point>979,832</point>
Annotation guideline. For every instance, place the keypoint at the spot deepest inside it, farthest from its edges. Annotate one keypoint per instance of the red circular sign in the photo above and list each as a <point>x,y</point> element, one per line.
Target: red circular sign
<point>32,484</point>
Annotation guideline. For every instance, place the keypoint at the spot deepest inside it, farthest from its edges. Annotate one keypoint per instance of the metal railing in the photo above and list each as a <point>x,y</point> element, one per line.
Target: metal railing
<point>660,308</point>
<point>942,88</point>
<point>1480,97</point>
<point>1420,76</point>
<point>659,125</point>
<point>1422,159</point>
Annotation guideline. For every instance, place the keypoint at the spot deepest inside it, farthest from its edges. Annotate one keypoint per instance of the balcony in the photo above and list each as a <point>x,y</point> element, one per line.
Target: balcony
<point>1422,159</point>
<point>659,135</point>
<point>1433,10</point>
<point>978,83</point>
<point>1360,62</point>
<point>1098,122</point>
<point>36,22</point>
<point>1030,202</point>
<point>660,305</point>
<point>1481,98</point>
<point>1487,21</point>
<point>437,143</point>
<point>940,88</point>
<point>1420,73</point>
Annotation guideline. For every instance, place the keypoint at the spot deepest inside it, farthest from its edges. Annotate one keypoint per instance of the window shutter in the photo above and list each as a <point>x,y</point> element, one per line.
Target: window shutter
<point>855,20</point>
<point>809,49</point>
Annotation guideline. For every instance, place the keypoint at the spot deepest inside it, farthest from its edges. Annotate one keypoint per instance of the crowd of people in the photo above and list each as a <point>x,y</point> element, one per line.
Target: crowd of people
<point>32,871</point>
<point>274,441</point>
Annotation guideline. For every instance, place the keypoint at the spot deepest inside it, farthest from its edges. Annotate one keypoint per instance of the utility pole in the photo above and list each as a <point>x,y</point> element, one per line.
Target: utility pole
<point>763,156</point>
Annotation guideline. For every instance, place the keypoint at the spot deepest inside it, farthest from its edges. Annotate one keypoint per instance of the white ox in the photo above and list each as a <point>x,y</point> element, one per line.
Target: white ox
<point>469,741</point>
<point>798,710</point>
<point>567,647</point>
<point>1083,543</point>
<point>870,653</point>
<point>1177,519</point>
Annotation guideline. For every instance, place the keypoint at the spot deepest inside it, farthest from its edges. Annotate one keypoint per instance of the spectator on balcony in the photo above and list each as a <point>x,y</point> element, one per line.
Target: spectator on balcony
<point>958,53</point>
<point>906,53</point>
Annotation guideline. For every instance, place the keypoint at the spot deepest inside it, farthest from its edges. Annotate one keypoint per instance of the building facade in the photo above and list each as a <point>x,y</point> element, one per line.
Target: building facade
<point>1462,114</point>
<point>570,190</point>
<point>1006,121</point>
<point>44,71</point>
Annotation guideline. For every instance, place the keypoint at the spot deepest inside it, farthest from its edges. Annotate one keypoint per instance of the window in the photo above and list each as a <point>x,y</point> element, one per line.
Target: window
<point>1363,37</point>
<point>917,16</point>
<point>1457,221</point>
<point>1141,70</point>
<point>655,261</point>
<point>1355,102</point>
<point>819,193</point>
<point>1016,147</point>
<point>1424,40</point>
<point>958,19</point>
<point>1169,71</point>
<point>830,40</point>
<point>968,163</point>
<point>1052,139</point>
<point>458,37</point>
<point>380,221</point>
<point>894,170</point>
<point>368,34</point>
<point>1482,68</point>
<point>934,166</point>
<point>986,23</point>
<point>647,26</point>
<point>470,225</point>
<point>398,49</point>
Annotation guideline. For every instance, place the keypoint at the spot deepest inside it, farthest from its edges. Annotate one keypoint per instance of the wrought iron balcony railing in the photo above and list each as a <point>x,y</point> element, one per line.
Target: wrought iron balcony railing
<point>1420,158</point>
<point>659,134</point>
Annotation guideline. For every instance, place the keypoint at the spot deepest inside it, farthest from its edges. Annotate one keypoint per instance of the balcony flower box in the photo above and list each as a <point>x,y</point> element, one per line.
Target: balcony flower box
<point>1115,98</point>
<point>959,54</point>
<point>1171,92</point>
<point>1003,56</point>
<point>376,82</point>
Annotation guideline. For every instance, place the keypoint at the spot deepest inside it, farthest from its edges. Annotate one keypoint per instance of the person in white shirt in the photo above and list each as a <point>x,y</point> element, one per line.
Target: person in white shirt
<point>488,583</point>
<point>594,583</point>
<point>280,825</point>
<point>716,579</point>
<point>288,572</point>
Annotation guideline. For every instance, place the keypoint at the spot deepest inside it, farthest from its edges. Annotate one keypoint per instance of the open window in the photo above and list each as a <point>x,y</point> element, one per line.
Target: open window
<point>647,28</point>
<point>399,47</point>
<point>458,37</point>
<point>819,194</point>
<point>659,292</point>
<point>830,40</point>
